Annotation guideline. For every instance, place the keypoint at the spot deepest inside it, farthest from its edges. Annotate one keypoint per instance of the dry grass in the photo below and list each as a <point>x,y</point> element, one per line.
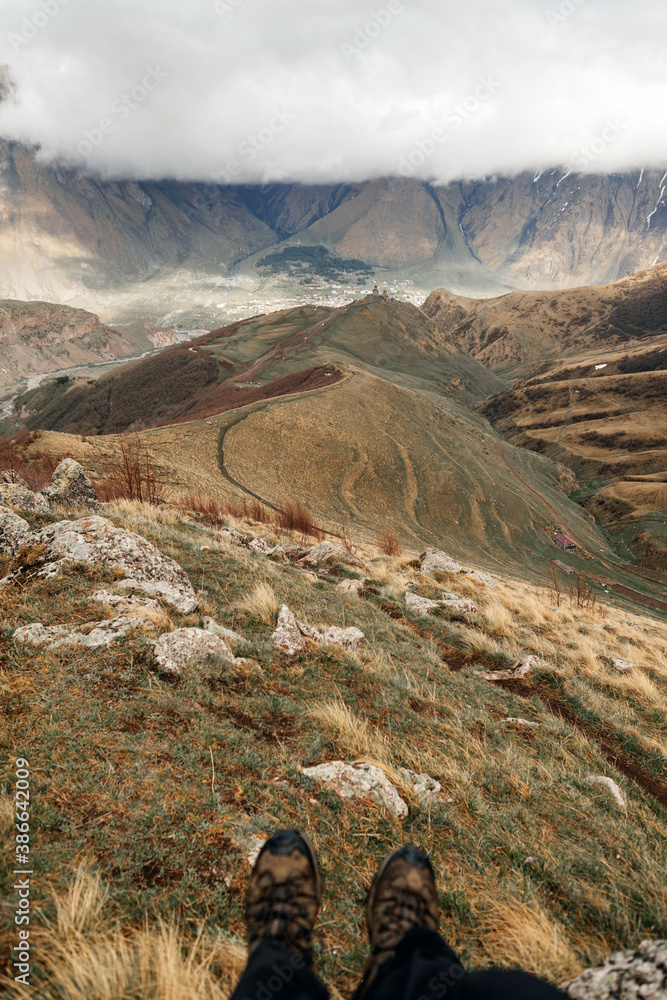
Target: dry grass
<point>523,935</point>
<point>262,603</point>
<point>353,735</point>
<point>87,955</point>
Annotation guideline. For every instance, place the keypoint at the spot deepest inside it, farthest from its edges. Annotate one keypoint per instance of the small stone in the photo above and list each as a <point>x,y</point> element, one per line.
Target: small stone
<point>224,633</point>
<point>359,781</point>
<point>522,722</point>
<point>522,668</point>
<point>96,635</point>
<point>611,787</point>
<point>623,666</point>
<point>436,561</point>
<point>253,847</point>
<point>287,634</point>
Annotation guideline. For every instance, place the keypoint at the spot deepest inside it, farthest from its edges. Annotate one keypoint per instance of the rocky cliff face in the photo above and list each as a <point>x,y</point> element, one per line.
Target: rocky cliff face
<point>40,337</point>
<point>66,237</point>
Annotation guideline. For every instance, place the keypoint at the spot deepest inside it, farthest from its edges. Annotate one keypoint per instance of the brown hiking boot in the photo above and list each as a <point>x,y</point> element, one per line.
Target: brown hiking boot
<point>284,894</point>
<point>403,896</point>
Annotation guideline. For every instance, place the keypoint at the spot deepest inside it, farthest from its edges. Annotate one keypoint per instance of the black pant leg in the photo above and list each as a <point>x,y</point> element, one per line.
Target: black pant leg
<point>275,974</point>
<point>425,968</point>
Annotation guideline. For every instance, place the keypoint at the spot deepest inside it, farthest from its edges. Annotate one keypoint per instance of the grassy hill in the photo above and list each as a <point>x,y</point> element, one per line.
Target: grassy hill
<point>148,791</point>
<point>518,333</point>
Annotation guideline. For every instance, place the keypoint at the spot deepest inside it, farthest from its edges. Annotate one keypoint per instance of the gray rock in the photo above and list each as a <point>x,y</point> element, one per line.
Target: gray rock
<point>628,975</point>
<point>424,605</point>
<point>224,633</point>
<point>70,487</point>
<point>326,552</point>
<point>14,532</point>
<point>522,668</point>
<point>96,541</point>
<point>189,646</point>
<point>611,787</point>
<point>95,636</point>
<point>623,666</point>
<point>21,497</point>
<point>353,586</point>
<point>359,781</point>
<point>292,635</point>
<point>426,788</point>
<point>435,561</point>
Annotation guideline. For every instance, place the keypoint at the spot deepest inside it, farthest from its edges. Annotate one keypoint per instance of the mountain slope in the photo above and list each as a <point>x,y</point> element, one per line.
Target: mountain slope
<point>129,247</point>
<point>519,331</point>
<point>39,337</point>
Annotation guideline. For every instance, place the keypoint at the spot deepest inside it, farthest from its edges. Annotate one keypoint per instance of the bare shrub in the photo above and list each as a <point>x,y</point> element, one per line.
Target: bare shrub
<point>389,543</point>
<point>134,475</point>
<point>35,467</point>
<point>211,510</point>
<point>294,517</point>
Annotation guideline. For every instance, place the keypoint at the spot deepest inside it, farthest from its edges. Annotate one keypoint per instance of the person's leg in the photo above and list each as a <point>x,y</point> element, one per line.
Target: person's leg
<point>409,960</point>
<point>284,895</point>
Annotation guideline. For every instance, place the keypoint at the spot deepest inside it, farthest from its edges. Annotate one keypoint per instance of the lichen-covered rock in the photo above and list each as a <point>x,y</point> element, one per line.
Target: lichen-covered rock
<point>522,668</point>
<point>96,541</point>
<point>21,497</point>
<point>14,532</point>
<point>435,561</point>
<point>327,552</point>
<point>628,975</point>
<point>70,487</point>
<point>291,635</point>
<point>188,646</point>
<point>92,635</point>
<point>426,788</point>
<point>125,604</point>
<point>224,633</point>
<point>287,634</point>
<point>424,605</point>
<point>359,781</point>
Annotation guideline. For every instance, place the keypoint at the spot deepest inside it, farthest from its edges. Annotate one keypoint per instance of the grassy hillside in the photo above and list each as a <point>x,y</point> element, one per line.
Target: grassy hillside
<point>604,416</point>
<point>516,333</point>
<point>153,788</point>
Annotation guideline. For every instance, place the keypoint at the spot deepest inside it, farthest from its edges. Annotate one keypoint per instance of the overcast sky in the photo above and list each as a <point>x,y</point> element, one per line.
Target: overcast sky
<point>336,90</point>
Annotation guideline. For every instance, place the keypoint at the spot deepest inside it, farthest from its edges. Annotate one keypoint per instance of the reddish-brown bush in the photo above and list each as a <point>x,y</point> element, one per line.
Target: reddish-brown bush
<point>389,543</point>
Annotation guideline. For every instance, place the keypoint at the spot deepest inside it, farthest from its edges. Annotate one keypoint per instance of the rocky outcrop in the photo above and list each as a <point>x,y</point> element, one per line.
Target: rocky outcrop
<point>14,532</point>
<point>628,975</point>
<point>436,561</point>
<point>97,542</point>
<point>327,552</point>
<point>359,781</point>
<point>292,635</point>
<point>92,635</point>
<point>70,487</point>
<point>186,647</point>
<point>14,492</point>
<point>424,605</point>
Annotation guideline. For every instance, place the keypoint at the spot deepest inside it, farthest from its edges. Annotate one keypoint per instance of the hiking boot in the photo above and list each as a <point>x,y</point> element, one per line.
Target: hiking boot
<point>403,896</point>
<point>284,894</point>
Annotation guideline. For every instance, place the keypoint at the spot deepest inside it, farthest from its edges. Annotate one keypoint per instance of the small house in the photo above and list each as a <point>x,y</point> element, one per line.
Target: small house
<point>565,543</point>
